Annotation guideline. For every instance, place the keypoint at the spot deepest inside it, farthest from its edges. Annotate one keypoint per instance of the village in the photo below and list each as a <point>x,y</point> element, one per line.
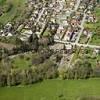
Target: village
<point>49,49</point>
<point>63,20</point>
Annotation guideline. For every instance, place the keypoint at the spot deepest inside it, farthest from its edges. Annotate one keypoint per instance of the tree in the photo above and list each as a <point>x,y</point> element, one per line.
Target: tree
<point>62,73</point>
<point>48,70</point>
<point>70,73</point>
<point>9,80</point>
<point>44,41</point>
<point>29,74</point>
<point>33,40</point>
<point>36,60</point>
<point>3,78</point>
<point>24,80</point>
<point>82,69</point>
<point>14,77</point>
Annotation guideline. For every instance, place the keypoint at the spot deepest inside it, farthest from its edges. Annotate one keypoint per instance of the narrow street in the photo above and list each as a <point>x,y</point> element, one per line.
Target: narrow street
<point>40,15</point>
<point>77,5</point>
<point>77,44</point>
<point>82,28</point>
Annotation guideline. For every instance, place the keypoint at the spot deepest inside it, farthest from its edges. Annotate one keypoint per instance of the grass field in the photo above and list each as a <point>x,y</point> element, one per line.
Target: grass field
<point>22,61</point>
<point>15,11</point>
<point>95,28</point>
<point>53,90</point>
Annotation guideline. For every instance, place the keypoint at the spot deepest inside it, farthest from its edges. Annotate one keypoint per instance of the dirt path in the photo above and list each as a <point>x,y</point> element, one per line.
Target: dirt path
<point>7,45</point>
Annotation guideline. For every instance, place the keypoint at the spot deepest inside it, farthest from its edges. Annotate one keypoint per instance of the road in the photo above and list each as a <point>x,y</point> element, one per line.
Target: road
<point>77,44</point>
<point>87,45</point>
<point>24,53</point>
<point>40,15</point>
<point>82,28</point>
<point>77,5</point>
<point>7,45</point>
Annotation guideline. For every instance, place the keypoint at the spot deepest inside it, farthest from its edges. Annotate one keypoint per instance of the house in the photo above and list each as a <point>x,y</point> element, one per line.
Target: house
<point>74,22</point>
<point>69,48</point>
<point>25,35</point>
<point>67,34</point>
<point>7,27</point>
<point>96,51</point>
<point>9,34</point>
<point>57,47</point>
<point>1,32</point>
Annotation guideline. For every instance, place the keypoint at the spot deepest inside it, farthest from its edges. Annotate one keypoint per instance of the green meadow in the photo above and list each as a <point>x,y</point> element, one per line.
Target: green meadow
<point>16,8</point>
<point>53,90</point>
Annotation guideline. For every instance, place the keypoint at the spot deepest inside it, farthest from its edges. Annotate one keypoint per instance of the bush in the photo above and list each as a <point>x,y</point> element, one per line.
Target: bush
<point>62,73</point>
<point>21,56</point>
<point>28,58</point>
<point>48,70</point>
<point>37,60</point>
<point>3,79</point>
<point>82,69</point>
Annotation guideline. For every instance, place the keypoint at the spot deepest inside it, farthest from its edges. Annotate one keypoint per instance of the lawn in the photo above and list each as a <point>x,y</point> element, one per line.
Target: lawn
<point>46,33</point>
<point>95,39</point>
<point>95,28</point>
<point>53,90</point>
<point>22,61</point>
<point>86,54</point>
<point>15,11</point>
<point>83,39</point>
